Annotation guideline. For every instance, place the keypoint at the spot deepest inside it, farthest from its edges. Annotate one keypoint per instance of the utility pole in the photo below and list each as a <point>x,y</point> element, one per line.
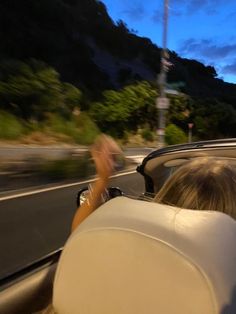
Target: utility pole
<point>162,101</point>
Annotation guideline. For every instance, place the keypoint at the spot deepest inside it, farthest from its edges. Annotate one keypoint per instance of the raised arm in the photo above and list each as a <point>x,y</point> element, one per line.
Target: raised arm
<point>102,152</point>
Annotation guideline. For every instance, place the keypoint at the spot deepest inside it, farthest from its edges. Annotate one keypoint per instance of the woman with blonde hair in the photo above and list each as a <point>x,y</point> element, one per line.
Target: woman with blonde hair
<point>205,183</point>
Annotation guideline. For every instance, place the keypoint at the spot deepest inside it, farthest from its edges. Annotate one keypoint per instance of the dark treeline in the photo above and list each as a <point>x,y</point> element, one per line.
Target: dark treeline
<point>90,51</point>
<point>75,38</point>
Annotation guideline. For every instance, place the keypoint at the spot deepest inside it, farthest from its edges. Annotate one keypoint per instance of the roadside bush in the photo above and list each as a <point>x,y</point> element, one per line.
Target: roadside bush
<point>57,124</point>
<point>174,135</point>
<point>87,130</point>
<point>10,127</point>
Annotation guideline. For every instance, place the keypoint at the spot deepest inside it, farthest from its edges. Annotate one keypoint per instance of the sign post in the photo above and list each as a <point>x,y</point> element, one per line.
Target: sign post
<point>190,127</point>
<point>162,102</point>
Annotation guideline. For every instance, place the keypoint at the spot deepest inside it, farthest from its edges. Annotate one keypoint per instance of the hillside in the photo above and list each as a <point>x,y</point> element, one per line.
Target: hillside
<point>89,50</point>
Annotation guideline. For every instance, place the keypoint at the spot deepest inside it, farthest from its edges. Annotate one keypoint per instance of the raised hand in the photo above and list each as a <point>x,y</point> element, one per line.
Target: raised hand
<point>103,152</point>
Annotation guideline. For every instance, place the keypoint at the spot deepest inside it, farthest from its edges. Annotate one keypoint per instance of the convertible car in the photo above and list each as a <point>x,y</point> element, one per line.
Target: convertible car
<point>133,256</point>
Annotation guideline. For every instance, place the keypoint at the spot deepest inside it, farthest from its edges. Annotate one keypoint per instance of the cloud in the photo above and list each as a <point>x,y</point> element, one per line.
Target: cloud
<point>210,7</point>
<point>229,69</point>
<point>157,16</point>
<point>209,52</point>
<point>135,12</point>
<point>211,11</point>
<point>207,49</point>
<point>191,6</point>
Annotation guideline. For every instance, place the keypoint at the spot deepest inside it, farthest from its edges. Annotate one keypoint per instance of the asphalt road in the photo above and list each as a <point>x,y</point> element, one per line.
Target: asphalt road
<point>34,225</point>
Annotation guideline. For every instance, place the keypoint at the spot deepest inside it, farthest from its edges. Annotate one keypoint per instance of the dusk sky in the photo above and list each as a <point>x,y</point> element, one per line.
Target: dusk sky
<point>198,29</point>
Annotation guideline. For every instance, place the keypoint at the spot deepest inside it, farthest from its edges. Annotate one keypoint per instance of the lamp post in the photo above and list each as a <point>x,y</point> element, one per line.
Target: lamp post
<point>162,101</point>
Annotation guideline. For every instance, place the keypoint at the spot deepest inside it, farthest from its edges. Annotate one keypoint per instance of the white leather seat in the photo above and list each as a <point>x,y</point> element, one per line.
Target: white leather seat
<point>136,257</point>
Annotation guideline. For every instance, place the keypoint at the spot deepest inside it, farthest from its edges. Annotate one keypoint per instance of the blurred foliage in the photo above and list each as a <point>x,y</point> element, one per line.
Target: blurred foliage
<point>87,129</point>
<point>68,168</point>
<point>213,119</point>
<point>147,134</point>
<point>174,135</point>
<point>29,90</point>
<point>80,128</point>
<point>10,127</point>
<point>72,96</point>
<point>179,110</point>
<point>32,89</point>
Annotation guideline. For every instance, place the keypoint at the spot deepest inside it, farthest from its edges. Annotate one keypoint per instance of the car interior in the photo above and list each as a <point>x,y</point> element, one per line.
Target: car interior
<point>30,290</point>
<point>147,259</point>
<point>156,168</point>
<point>140,257</point>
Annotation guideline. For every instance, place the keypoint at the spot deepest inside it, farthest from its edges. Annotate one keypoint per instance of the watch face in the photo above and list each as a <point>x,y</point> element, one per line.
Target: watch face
<point>109,193</point>
<point>82,196</point>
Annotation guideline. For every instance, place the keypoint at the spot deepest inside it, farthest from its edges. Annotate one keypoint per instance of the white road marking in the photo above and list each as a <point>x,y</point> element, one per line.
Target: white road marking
<point>137,159</point>
<point>61,186</point>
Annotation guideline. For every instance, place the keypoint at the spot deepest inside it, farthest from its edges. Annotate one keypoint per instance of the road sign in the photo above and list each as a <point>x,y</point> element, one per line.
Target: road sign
<point>161,132</point>
<point>162,103</point>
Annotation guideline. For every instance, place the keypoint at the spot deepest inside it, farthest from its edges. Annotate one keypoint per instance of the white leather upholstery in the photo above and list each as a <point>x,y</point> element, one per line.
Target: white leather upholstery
<point>136,257</point>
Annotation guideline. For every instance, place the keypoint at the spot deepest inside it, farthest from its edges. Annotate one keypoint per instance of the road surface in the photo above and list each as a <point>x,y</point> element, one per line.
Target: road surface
<point>21,152</point>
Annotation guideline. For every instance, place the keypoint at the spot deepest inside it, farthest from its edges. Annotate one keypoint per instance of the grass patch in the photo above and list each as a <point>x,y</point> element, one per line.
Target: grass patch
<point>56,129</point>
<point>81,129</point>
<point>42,138</point>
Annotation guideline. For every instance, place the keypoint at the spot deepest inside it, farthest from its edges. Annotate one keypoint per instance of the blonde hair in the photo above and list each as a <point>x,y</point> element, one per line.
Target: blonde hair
<point>204,183</point>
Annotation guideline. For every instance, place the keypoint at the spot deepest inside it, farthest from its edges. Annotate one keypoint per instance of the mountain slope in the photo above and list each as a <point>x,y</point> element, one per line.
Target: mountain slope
<point>87,48</point>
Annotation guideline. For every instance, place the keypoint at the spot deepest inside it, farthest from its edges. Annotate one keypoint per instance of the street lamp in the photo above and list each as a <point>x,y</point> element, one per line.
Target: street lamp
<point>162,101</point>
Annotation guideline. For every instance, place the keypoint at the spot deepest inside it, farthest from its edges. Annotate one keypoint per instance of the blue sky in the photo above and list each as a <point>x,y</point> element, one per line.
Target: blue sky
<point>198,29</point>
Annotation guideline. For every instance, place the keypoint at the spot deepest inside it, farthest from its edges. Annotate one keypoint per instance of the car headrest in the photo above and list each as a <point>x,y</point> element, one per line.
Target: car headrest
<point>137,257</point>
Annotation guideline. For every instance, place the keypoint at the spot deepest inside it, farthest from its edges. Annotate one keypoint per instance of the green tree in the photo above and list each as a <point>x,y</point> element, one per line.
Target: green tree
<point>213,119</point>
<point>127,109</point>
<point>72,96</point>
<point>179,110</point>
<point>31,90</point>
